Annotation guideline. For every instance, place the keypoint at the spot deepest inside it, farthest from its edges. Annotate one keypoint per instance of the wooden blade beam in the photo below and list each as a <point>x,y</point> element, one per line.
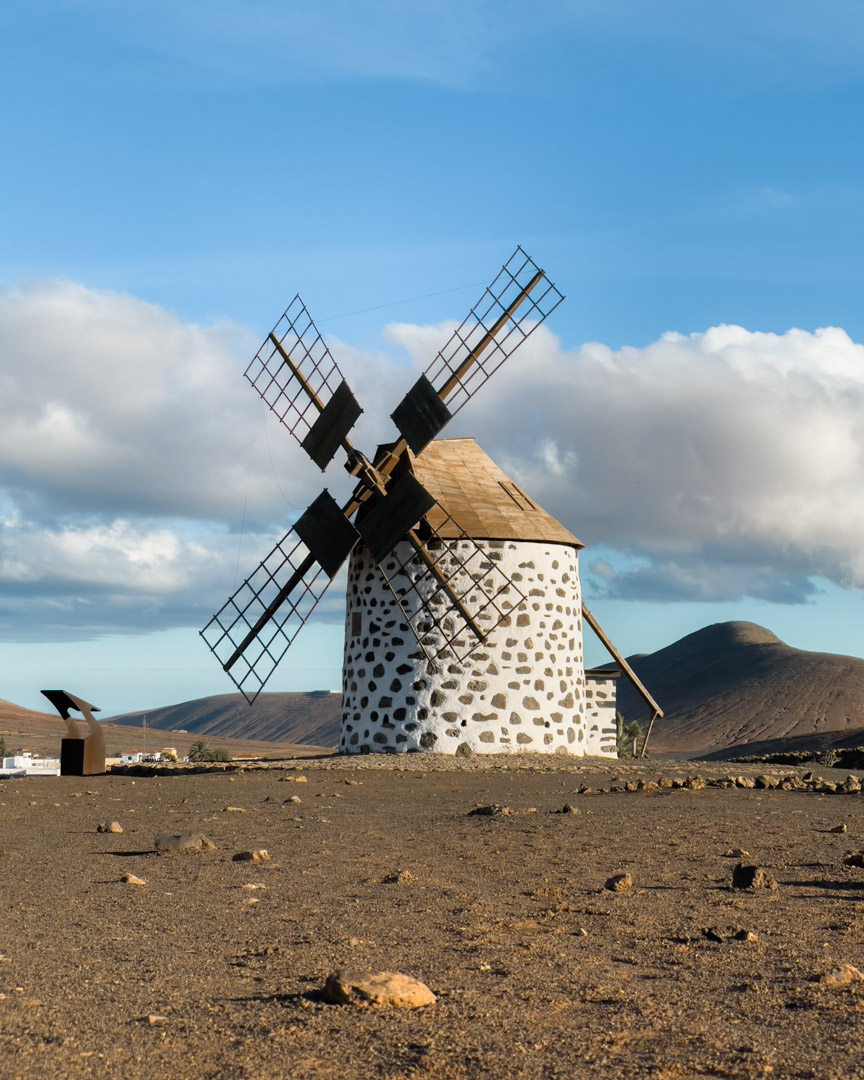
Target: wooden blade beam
<point>487,338</point>
<point>619,659</point>
<point>442,581</point>
<point>270,611</point>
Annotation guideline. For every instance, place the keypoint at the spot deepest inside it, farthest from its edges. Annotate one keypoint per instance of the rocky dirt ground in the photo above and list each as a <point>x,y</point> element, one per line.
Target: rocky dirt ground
<point>213,968</point>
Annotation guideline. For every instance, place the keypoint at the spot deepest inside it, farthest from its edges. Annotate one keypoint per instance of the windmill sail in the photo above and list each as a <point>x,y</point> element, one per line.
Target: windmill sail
<point>511,308</point>
<point>252,631</point>
<point>296,375</point>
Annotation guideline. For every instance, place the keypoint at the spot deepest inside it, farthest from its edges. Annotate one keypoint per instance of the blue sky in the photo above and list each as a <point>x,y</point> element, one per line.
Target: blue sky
<point>173,173</point>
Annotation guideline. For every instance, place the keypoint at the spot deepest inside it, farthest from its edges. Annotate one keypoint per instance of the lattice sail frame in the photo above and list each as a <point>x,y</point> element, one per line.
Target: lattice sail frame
<point>240,613</point>
<point>277,384</point>
<point>478,326</point>
<point>481,587</point>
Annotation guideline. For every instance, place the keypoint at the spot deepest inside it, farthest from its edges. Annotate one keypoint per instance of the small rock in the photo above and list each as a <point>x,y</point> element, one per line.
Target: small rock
<point>187,841</point>
<point>293,779</point>
<point>838,828</point>
<point>619,883</point>
<point>647,785</point>
<point>376,990</point>
<point>843,975</point>
<point>114,827</point>
<point>399,877</point>
<point>630,786</point>
<point>851,784</point>
<point>258,855</point>
<point>664,783</point>
<point>490,811</point>
<point>152,1019</point>
<point>293,799</point>
<point>567,808</point>
<point>735,853</point>
<point>234,810</point>
<point>695,783</point>
<point>728,934</point>
<point>745,782</point>
<point>853,858</point>
<point>752,877</point>
<point>765,782</point>
<point>131,879</point>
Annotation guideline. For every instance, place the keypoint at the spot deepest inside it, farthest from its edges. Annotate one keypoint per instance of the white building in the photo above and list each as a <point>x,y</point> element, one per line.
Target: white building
<point>525,687</point>
<point>28,764</point>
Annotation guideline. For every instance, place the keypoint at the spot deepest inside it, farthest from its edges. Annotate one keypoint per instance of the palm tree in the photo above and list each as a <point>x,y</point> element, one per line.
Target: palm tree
<point>200,751</point>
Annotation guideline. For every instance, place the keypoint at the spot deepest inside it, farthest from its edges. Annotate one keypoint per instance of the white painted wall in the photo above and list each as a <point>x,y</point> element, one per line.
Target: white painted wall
<point>522,689</point>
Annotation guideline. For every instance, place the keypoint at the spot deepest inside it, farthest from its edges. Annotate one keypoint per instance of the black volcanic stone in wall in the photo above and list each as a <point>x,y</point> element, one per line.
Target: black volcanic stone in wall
<point>403,669</point>
<point>378,671</point>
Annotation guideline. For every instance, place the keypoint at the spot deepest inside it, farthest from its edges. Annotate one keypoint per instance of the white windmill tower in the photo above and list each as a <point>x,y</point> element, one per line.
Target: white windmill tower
<point>464,615</point>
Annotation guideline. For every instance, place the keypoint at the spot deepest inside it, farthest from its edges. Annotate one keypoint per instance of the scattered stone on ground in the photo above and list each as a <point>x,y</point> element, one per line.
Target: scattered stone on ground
<point>294,779</point>
<point>752,877</point>
<point>187,841</point>
<point>131,879</point>
<point>619,883</point>
<point>567,808</point>
<point>735,853</point>
<point>256,855</point>
<point>838,828</point>
<point>113,827</point>
<point>494,810</point>
<point>853,858</point>
<point>376,989</point>
<point>843,975</point>
<point>399,877</point>
<point>722,935</point>
<point>234,810</point>
<point>293,799</point>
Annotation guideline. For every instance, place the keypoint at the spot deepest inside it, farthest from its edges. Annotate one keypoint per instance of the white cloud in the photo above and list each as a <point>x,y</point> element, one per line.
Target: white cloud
<point>730,460</point>
<point>703,467</point>
<point>112,405</point>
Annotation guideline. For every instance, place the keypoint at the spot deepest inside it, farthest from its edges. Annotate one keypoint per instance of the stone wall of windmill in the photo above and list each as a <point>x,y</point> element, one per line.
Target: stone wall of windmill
<point>523,689</point>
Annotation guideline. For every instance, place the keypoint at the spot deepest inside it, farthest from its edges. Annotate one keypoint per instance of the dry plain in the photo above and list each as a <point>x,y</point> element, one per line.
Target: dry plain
<point>212,967</point>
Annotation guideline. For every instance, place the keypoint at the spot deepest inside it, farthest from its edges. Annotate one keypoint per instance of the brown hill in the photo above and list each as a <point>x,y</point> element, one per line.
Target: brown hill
<point>308,719</point>
<point>736,683</point>
<point>26,729</point>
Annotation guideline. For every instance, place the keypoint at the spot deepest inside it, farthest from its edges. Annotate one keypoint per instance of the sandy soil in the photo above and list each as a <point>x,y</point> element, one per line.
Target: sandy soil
<point>539,970</point>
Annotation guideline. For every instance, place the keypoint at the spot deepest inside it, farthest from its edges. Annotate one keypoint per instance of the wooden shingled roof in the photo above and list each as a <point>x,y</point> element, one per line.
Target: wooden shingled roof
<point>482,498</point>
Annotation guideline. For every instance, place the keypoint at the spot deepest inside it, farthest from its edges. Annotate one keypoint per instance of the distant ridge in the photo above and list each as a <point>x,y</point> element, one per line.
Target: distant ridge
<point>734,684</point>
<point>41,732</point>
<point>310,719</point>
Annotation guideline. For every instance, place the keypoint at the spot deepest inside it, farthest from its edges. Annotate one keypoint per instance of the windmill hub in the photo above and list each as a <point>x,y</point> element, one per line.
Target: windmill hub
<point>464,617</point>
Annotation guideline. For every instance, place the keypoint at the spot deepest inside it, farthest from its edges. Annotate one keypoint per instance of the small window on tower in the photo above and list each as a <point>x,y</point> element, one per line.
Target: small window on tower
<point>356,624</point>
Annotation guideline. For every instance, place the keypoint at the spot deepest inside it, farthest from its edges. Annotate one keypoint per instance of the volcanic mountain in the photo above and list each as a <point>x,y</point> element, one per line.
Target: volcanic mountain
<point>311,719</point>
<point>736,683</point>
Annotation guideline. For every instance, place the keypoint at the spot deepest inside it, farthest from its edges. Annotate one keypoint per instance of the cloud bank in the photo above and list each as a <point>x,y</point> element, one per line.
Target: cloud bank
<point>140,478</point>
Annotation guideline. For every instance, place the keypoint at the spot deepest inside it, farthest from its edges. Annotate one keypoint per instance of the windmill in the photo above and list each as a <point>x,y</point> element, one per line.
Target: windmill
<point>426,594</point>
